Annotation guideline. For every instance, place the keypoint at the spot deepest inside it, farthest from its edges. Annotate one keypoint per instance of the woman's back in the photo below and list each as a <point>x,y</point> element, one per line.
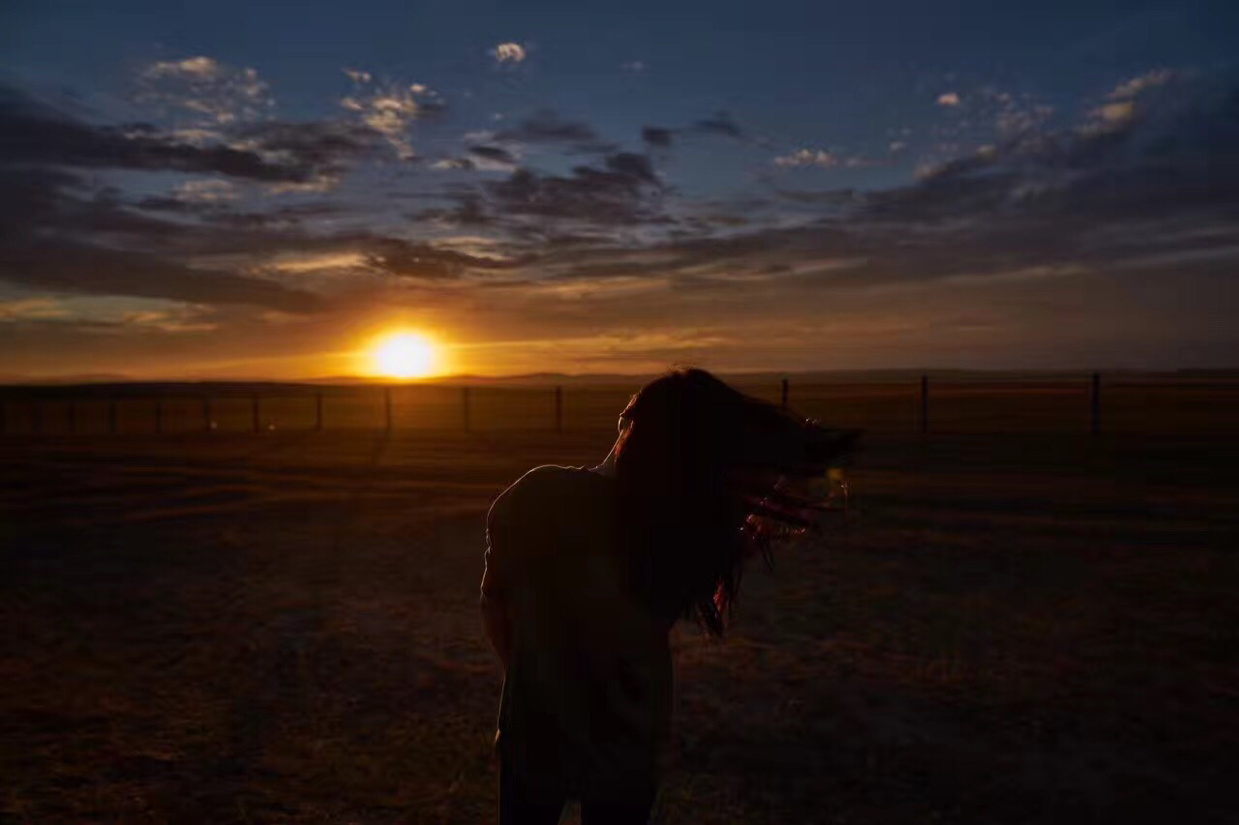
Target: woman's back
<point>587,695</point>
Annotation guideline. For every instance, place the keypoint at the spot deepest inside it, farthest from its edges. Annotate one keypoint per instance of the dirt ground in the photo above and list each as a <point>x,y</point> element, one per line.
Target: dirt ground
<point>283,627</point>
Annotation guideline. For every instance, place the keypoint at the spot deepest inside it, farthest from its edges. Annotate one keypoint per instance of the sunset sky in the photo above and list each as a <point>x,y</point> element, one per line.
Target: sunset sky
<point>259,190</point>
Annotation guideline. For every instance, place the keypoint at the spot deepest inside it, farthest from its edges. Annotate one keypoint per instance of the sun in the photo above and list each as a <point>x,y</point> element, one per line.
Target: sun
<point>404,355</point>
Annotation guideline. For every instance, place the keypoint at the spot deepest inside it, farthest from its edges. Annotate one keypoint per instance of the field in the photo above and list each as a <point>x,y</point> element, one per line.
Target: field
<point>1015,623</point>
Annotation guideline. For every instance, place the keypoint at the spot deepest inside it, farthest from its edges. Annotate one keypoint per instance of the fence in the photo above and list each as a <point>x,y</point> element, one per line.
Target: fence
<point>928,404</point>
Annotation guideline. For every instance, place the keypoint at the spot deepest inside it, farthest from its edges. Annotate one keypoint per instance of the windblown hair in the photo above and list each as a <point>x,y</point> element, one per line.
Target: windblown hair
<point>697,462</point>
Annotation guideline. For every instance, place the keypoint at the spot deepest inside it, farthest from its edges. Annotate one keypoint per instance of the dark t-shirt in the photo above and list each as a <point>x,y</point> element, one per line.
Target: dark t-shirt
<point>586,702</point>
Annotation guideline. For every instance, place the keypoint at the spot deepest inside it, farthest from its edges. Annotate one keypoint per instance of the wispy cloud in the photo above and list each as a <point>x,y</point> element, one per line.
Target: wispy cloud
<point>949,99</point>
<point>1110,117</point>
<point>390,108</point>
<point>108,314</point>
<point>37,134</point>
<point>1141,83</point>
<point>211,93</point>
<point>821,159</point>
<point>207,190</point>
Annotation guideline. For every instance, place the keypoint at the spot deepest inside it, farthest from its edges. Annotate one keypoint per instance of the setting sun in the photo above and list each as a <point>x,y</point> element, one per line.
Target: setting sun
<point>404,355</point>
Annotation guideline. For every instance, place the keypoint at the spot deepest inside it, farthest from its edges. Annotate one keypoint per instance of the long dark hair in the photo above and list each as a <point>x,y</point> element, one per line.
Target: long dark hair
<point>697,462</point>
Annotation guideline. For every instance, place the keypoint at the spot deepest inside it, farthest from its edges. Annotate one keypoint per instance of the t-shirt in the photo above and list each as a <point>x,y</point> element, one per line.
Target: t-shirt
<point>586,701</point>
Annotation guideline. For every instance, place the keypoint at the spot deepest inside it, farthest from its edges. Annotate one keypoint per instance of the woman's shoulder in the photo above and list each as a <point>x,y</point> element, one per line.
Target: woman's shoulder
<point>542,489</point>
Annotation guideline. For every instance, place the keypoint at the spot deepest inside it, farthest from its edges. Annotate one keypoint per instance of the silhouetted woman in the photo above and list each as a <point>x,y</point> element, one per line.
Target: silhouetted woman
<point>587,569</point>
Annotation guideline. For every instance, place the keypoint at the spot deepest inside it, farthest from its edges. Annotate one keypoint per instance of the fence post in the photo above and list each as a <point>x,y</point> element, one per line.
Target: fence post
<point>464,406</point>
<point>785,393</point>
<point>1095,404</point>
<point>158,416</point>
<point>924,404</point>
<point>318,410</point>
<point>112,416</point>
<point>206,413</point>
<point>387,406</point>
<point>72,417</point>
<point>254,411</point>
<point>559,409</point>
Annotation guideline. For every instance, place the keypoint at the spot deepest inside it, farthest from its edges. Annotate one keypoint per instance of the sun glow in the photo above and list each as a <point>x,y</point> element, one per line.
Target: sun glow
<point>404,355</point>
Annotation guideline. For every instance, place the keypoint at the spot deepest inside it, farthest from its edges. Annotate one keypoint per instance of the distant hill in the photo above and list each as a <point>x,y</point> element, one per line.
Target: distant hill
<point>99,384</point>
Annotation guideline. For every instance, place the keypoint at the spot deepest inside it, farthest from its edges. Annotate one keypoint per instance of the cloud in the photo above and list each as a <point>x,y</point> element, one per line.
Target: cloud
<point>1013,119</point>
<point>413,260</point>
<point>510,53</point>
<point>67,266</point>
<point>493,158</point>
<point>821,159</point>
<point>208,190</point>
<point>948,99</point>
<point>326,147</point>
<point>390,108</point>
<point>199,68</point>
<point>809,157</point>
<point>720,123</point>
<point>634,166</point>
<point>107,313</point>
<point>453,164</point>
<point>626,190</point>
<point>657,136</point>
<point>547,126</point>
<point>896,146</point>
<point>1129,89</point>
<point>1111,116</point>
<point>635,66</point>
<point>210,93</point>
<point>1060,206</point>
<point>36,134</point>
<point>1051,206</point>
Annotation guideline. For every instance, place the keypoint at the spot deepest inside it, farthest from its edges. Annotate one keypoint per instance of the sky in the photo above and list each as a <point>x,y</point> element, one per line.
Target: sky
<point>259,190</point>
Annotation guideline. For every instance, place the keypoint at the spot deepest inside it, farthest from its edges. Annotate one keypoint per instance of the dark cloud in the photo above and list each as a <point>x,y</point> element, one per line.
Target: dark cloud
<point>658,136</point>
<point>1154,192</point>
<point>34,134</point>
<point>720,123</point>
<point>634,166</point>
<point>624,191</point>
<point>455,163</point>
<point>495,153</point>
<point>65,266</point>
<point>546,126</point>
<point>827,197</point>
<point>326,147</point>
<point>407,259</point>
<point>57,234</point>
<point>1149,191</point>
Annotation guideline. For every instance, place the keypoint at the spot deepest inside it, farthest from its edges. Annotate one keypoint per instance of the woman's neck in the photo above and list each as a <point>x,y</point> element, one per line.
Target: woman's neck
<point>607,467</point>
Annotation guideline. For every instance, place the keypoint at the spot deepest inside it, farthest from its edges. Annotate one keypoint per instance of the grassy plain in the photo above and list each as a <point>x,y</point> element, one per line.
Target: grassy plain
<point>1016,623</point>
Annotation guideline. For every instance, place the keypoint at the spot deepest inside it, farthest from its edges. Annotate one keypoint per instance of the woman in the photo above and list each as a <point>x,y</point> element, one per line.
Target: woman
<point>587,569</point>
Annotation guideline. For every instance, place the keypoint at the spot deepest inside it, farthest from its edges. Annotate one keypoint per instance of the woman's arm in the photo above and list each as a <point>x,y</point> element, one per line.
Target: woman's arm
<point>496,613</point>
<point>498,625</point>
